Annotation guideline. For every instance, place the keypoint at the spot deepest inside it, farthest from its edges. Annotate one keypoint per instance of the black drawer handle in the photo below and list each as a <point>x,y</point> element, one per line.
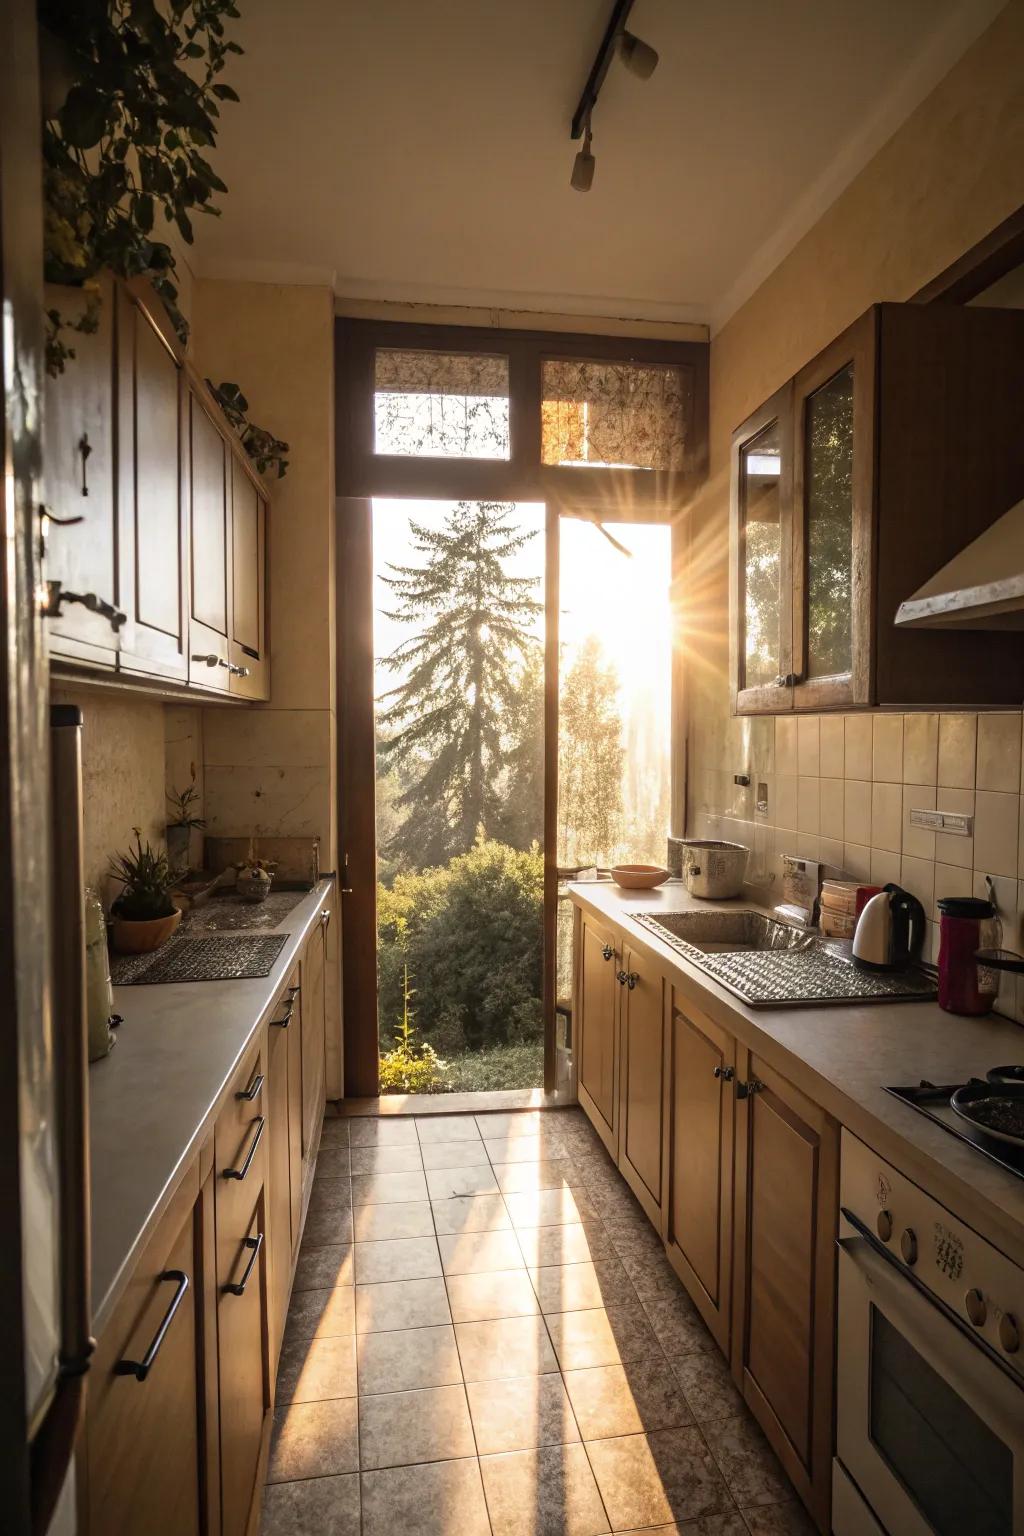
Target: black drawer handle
<point>286,1017</point>
<point>254,1244</point>
<point>240,1173</point>
<point>140,1369</point>
<point>253,1090</point>
<point>293,992</point>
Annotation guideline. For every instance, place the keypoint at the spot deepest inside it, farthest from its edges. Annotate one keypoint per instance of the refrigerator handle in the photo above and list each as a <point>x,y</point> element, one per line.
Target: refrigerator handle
<point>54,1446</point>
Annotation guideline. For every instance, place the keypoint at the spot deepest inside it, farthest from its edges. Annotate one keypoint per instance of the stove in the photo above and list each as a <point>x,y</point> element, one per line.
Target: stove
<point>932,1099</point>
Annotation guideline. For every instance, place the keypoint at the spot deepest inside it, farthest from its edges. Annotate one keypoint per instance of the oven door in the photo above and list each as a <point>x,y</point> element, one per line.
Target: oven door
<point>929,1425</point>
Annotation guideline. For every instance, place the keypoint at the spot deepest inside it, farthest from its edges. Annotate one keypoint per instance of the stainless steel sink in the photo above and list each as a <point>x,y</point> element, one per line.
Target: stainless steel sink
<point>731,930</point>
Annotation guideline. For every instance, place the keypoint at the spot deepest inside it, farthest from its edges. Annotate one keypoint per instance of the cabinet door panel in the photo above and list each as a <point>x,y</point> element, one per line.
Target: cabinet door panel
<point>79,459</point>
<point>597,1016</point>
<point>642,1044</point>
<point>787,1194</point>
<point>151,524</point>
<point>280,1190</point>
<point>313,1032</point>
<point>249,640</point>
<point>762,557</point>
<point>699,1225</point>
<point>209,506</point>
<point>244,1376</point>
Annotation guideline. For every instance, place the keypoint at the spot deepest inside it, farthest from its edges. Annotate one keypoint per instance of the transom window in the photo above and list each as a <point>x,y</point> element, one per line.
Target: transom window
<point>441,404</point>
<point>614,415</point>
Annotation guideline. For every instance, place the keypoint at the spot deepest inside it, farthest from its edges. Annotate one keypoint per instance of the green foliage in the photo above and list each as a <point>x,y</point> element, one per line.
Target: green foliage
<point>447,722</point>
<point>497,1067</point>
<point>146,881</point>
<point>410,1066</point>
<point>520,818</point>
<point>470,934</point>
<point>590,760</point>
<point>830,525</point>
<point>266,450</point>
<point>127,141</point>
<point>181,802</point>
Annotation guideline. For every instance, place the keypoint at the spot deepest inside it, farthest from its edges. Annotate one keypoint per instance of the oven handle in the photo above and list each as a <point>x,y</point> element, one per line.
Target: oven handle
<point>848,1245</point>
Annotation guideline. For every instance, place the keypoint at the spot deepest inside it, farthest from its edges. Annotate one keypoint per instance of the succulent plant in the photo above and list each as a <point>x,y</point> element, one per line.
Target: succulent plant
<point>146,882</point>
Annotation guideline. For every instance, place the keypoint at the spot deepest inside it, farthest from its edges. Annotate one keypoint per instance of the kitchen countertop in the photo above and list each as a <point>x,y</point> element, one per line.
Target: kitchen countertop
<point>842,1057</point>
<point>154,1098</point>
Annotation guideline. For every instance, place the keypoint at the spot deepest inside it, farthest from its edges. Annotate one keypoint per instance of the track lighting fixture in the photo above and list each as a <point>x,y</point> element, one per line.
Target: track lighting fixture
<point>582,178</point>
<point>639,57</point>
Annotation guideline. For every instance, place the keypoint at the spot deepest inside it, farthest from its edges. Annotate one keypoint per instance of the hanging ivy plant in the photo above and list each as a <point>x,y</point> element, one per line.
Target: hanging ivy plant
<point>124,146</point>
<point>265,450</point>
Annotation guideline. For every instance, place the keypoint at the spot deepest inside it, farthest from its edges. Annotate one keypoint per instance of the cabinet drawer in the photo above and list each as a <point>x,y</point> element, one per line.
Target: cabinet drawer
<point>143,1422</point>
<point>240,1152</point>
<point>244,1369</point>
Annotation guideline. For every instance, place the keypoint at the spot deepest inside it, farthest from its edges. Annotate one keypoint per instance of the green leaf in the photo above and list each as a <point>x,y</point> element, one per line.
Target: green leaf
<point>143,209</point>
<point>84,116</point>
<point>225,93</point>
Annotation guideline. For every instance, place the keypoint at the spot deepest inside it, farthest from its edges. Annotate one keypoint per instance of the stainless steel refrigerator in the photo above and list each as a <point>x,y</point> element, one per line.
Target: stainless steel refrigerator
<point>44,1217</point>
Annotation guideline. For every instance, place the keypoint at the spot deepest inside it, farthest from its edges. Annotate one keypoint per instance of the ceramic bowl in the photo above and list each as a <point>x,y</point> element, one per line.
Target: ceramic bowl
<point>139,938</point>
<point>638,877</point>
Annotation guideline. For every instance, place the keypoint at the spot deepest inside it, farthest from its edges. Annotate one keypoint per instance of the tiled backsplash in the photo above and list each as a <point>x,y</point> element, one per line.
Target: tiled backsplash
<point>840,788</point>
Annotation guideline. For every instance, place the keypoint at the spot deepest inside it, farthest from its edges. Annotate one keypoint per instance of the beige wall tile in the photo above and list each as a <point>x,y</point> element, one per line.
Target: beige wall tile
<point>920,748</point>
<point>950,849</point>
<point>809,810</point>
<point>885,867</point>
<point>832,744</point>
<point>808,845</point>
<point>858,746</point>
<point>287,802</point>
<point>787,801</point>
<point>831,821</point>
<point>998,765</point>
<point>995,833</point>
<point>857,811</point>
<point>808,737</point>
<point>786,750</point>
<point>267,738</point>
<point>886,817</point>
<point>918,877</point>
<point>952,881</point>
<point>857,859</point>
<point>958,742</point>
<point>887,749</point>
<point>830,851</point>
<point>917,842</point>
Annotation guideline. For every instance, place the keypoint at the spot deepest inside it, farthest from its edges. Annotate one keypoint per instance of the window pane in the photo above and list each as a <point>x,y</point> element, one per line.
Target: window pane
<point>959,1474</point>
<point>829,471</point>
<point>761,465</point>
<point>441,404</point>
<point>618,415</point>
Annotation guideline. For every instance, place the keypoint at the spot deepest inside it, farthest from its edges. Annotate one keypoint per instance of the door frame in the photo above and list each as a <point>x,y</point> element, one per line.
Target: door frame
<point>593,494</point>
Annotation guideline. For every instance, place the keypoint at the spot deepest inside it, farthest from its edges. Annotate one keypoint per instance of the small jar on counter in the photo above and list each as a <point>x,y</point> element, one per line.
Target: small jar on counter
<point>967,924</point>
<point>99,997</point>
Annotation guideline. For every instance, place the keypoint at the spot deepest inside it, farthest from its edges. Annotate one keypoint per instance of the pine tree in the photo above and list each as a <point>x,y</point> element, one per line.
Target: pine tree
<point>590,760</point>
<point>447,720</point>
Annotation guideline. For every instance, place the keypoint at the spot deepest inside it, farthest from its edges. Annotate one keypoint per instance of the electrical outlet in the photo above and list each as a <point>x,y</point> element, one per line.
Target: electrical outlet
<point>930,819</point>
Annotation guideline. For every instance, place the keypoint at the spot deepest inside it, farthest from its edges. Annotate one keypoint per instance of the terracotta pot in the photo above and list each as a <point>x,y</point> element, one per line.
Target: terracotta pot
<point>138,938</point>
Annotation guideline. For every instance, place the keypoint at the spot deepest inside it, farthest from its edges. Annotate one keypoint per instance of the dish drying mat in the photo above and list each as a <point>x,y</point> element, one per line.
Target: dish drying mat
<point>238,958</point>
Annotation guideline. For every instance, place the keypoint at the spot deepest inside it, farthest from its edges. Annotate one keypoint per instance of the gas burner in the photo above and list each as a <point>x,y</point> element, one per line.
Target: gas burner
<point>935,1101</point>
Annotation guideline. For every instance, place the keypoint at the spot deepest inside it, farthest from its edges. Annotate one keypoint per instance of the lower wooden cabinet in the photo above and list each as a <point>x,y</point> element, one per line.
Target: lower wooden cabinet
<point>596,1022</point>
<point>698,1217</point>
<point>641,1077</point>
<point>243,1368</point>
<point>144,1405</point>
<point>314,1031</point>
<point>279,1186</point>
<point>783,1341</point>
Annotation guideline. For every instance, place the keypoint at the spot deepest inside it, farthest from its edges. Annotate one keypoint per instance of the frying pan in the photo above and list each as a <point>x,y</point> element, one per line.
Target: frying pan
<point>976,1101</point>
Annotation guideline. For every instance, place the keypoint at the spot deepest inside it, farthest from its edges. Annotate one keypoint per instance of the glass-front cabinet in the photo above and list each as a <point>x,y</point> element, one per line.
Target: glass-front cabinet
<point>802,519</point>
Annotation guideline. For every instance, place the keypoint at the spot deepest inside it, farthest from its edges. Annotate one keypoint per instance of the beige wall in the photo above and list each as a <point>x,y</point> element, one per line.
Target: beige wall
<point>271,768</point>
<point>951,173</point>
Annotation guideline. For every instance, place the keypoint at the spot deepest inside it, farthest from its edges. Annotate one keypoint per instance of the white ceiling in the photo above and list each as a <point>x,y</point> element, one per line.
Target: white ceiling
<point>414,151</point>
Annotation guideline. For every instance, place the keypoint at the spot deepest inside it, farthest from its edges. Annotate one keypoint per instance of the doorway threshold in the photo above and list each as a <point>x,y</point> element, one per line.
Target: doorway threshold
<point>452,1103</point>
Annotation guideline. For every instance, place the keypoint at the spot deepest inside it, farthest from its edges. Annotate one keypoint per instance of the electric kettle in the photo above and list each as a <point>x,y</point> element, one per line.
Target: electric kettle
<point>890,931</point>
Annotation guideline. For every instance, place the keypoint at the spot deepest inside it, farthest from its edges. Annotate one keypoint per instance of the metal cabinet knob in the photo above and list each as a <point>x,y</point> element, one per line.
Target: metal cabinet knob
<point>1009,1333</point>
<point>883,1225</point>
<point>752,1086</point>
<point>977,1307</point>
<point>725,1073</point>
<point>908,1246</point>
<point>607,952</point>
<point>620,977</point>
<point>211,659</point>
<point>632,977</point>
<point>56,595</point>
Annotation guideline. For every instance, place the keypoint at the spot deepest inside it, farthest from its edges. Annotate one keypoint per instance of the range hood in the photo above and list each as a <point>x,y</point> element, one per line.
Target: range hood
<point>980,588</point>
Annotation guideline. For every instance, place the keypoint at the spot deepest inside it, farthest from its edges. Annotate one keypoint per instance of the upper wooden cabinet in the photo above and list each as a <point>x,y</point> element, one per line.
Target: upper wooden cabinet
<point>165,573</point>
<point>852,485</point>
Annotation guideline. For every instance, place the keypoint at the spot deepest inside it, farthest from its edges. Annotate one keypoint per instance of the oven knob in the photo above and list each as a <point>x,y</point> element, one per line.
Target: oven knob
<point>977,1308</point>
<point>1009,1333</point>
<point>908,1245</point>
<point>884,1225</point>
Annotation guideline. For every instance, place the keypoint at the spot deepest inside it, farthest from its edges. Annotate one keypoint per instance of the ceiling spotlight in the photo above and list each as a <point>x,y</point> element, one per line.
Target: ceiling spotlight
<point>639,57</point>
<point>582,178</point>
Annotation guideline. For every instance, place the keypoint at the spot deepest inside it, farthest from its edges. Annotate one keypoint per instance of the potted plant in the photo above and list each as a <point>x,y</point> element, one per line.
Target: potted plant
<point>144,916</point>
<point>180,825</point>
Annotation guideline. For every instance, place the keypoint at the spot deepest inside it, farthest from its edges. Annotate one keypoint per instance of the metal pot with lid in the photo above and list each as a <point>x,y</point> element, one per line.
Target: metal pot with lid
<point>714,869</point>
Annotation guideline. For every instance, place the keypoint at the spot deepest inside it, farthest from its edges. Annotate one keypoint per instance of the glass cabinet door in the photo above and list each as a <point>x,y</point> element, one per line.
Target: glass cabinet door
<point>762,575</point>
<point>833,502</point>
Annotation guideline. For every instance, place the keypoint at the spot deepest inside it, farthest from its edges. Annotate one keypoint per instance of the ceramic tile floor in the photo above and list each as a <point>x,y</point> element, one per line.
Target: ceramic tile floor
<point>486,1339</point>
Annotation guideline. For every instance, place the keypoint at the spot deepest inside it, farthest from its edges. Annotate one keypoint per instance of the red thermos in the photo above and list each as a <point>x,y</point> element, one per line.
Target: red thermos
<point>966,924</point>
